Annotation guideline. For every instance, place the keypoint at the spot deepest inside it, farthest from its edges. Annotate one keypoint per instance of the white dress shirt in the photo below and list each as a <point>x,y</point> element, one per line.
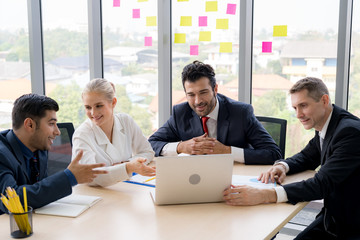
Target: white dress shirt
<point>280,191</point>
<point>170,149</point>
<point>128,143</point>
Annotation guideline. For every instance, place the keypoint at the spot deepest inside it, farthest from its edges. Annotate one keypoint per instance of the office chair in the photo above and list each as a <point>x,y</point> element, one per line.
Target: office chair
<point>59,155</point>
<point>276,127</point>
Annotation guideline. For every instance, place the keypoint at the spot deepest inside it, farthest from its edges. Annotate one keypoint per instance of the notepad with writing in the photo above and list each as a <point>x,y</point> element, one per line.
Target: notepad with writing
<point>70,206</point>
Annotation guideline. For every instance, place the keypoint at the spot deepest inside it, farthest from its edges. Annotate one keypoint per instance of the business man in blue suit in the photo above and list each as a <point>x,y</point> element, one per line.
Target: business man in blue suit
<point>335,147</point>
<point>210,123</point>
<point>23,154</point>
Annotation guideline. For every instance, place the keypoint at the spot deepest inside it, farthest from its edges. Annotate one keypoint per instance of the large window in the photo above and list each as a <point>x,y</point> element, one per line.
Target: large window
<point>14,57</point>
<point>66,53</point>
<point>292,40</point>
<point>131,58</point>
<point>354,88</point>
<point>207,31</point>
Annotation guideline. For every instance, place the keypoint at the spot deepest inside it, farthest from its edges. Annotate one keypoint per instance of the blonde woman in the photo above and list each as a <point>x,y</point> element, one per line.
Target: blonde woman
<point>113,139</point>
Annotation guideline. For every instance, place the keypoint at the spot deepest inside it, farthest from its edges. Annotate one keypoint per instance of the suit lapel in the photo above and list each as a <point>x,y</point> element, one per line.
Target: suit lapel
<point>196,125</point>
<point>329,133</point>
<point>222,121</point>
<point>15,148</point>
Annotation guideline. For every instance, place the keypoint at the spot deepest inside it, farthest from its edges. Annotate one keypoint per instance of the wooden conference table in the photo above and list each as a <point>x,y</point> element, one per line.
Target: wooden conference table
<point>128,212</point>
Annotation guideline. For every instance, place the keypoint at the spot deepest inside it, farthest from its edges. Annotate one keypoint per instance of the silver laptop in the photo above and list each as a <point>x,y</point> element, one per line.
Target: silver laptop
<point>192,179</point>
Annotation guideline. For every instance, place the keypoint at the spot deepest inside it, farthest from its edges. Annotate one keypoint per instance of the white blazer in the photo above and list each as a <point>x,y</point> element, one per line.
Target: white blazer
<point>128,143</point>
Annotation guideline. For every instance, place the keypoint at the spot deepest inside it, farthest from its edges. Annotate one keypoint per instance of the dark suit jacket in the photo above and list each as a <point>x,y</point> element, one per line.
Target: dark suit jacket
<point>337,181</point>
<point>236,126</point>
<point>13,173</point>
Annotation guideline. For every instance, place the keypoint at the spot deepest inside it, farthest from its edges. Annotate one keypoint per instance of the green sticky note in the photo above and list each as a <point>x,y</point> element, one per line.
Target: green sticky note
<point>151,21</point>
<point>280,31</point>
<point>222,23</point>
<point>180,38</point>
<point>186,21</point>
<point>205,36</point>
<point>211,6</point>
<point>226,47</point>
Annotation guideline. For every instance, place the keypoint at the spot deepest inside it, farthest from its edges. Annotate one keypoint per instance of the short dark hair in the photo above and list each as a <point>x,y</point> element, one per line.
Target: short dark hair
<point>32,106</point>
<point>194,71</point>
<point>315,86</point>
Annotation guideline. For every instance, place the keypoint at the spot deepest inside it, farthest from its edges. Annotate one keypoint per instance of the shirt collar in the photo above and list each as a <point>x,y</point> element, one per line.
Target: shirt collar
<point>214,113</point>
<point>323,131</point>
<point>27,153</point>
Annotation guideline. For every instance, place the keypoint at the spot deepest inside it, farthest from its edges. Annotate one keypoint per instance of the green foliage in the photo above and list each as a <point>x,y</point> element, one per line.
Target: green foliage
<point>131,69</point>
<point>64,43</point>
<point>70,103</point>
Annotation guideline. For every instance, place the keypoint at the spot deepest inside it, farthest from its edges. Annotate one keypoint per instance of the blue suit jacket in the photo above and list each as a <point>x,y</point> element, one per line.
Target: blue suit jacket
<point>337,181</point>
<point>236,126</point>
<point>13,173</point>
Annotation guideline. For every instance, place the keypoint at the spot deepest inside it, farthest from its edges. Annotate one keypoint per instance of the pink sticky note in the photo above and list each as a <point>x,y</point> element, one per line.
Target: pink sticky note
<point>194,49</point>
<point>231,9</point>
<point>266,47</point>
<point>116,3</point>
<point>202,21</point>
<point>148,41</point>
<point>136,13</point>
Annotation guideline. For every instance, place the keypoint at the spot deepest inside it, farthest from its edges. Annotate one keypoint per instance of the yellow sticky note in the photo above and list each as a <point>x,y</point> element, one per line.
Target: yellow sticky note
<point>222,23</point>
<point>211,6</point>
<point>151,21</point>
<point>180,37</point>
<point>226,47</point>
<point>205,36</point>
<point>143,0</point>
<point>186,21</point>
<point>280,31</point>
<point>183,0</point>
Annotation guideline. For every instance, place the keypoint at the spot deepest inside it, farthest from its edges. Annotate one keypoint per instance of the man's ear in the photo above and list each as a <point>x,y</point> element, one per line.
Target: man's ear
<point>325,99</point>
<point>29,124</point>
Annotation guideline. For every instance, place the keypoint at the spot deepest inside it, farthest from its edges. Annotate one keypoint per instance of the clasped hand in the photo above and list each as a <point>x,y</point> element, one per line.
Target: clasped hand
<point>203,145</point>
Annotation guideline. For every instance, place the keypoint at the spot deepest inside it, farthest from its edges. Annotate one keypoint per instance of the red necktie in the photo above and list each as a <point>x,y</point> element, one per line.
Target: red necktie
<point>204,120</point>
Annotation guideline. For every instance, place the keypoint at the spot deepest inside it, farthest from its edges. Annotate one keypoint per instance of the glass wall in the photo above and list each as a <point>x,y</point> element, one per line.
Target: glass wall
<point>291,41</point>
<point>66,53</point>
<point>14,57</point>
<point>354,81</point>
<point>207,31</point>
<point>131,58</point>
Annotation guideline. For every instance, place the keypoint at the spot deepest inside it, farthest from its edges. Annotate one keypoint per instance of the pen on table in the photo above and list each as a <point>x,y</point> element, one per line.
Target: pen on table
<point>148,180</point>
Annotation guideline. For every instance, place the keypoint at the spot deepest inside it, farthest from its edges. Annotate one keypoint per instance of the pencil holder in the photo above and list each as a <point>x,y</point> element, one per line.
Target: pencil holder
<point>21,224</point>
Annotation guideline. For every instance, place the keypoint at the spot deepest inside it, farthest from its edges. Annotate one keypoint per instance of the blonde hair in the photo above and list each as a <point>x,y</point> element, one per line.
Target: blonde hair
<point>102,86</point>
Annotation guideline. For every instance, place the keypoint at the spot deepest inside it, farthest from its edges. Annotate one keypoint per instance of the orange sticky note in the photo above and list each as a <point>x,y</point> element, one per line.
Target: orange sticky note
<point>211,6</point>
<point>180,38</point>
<point>280,31</point>
<point>151,21</point>
<point>186,21</point>
<point>205,36</point>
<point>225,47</point>
<point>222,23</point>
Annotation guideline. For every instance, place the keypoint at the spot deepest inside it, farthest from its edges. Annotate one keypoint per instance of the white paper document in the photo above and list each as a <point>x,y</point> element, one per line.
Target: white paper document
<point>250,181</point>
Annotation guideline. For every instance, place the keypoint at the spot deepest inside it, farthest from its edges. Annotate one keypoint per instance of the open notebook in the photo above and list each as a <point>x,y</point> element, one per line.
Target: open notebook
<point>70,206</point>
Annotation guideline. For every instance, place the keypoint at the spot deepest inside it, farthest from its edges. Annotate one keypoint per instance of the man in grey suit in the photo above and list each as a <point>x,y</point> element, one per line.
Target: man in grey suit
<point>335,147</point>
<point>211,123</point>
